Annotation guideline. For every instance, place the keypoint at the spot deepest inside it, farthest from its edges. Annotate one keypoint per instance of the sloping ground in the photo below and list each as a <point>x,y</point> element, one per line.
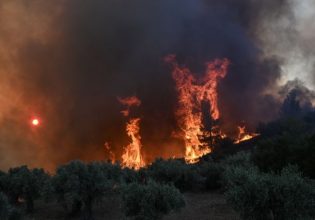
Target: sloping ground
<point>199,206</point>
<point>206,206</point>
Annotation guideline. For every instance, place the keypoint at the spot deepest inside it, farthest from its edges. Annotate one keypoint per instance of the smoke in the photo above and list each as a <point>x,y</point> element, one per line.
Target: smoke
<point>291,39</point>
<point>303,95</point>
<point>68,61</point>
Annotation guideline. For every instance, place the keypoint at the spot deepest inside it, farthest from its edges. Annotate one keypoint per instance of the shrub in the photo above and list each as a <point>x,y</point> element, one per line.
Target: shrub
<point>259,195</point>
<point>211,173</point>
<point>4,207</point>
<point>177,172</point>
<point>2,180</point>
<point>6,211</point>
<point>276,153</point>
<point>295,194</point>
<point>240,159</point>
<point>80,185</point>
<point>151,201</point>
<point>111,171</point>
<point>130,176</point>
<point>23,183</point>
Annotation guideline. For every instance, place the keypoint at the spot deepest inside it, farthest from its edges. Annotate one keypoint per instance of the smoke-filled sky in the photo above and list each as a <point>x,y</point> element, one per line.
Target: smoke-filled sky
<point>67,62</point>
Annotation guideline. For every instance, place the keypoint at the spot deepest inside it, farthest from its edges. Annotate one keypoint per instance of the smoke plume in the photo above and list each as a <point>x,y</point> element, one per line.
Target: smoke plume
<point>68,61</point>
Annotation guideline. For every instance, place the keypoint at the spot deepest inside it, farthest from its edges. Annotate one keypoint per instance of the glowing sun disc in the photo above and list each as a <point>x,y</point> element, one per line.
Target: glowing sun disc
<point>35,122</point>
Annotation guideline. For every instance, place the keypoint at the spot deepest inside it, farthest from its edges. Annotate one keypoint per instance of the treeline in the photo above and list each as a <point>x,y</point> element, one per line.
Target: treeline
<point>273,180</point>
<point>155,191</point>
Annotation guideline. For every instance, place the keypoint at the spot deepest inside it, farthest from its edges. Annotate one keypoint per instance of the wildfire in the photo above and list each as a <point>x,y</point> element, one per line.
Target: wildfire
<point>132,157</point>
<point>243,135</point>
<point>197,114</point>
<point>192,94</point>
<point>132,154</point>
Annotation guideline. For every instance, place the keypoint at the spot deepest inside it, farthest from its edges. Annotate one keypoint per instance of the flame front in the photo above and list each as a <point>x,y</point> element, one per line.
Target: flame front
<point>243,135</point>
<point>197,115</point>
<point>132,153</point>
<point>191,94</point>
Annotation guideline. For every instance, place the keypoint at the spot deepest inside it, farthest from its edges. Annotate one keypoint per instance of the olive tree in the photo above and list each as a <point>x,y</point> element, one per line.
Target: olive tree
<point>173,171</point>
<point>22,183</point>
<point>258,195</point>
<point>7,212</point>
<point>79,185</point>
<point>150,201</point>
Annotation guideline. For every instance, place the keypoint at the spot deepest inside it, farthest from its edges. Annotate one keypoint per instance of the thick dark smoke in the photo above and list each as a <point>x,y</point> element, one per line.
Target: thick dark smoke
<point>68,61</point>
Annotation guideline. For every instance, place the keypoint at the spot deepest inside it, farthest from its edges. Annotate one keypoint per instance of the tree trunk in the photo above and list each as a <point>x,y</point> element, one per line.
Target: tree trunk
<point>88,209</point>
<point>76,208</point>
<point>29,205</point>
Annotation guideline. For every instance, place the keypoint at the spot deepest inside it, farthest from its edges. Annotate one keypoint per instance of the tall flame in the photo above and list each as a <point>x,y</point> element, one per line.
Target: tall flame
<point>191,94</point>
<point>132,157</point>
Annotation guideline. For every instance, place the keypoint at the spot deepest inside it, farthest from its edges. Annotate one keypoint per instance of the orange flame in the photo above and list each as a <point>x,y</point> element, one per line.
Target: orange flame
<point>243,135</point>
<point>191,94</point>
<point>132,153</point>
<point>129,102</point>
<point>132,157</point>
<point>112,157</point>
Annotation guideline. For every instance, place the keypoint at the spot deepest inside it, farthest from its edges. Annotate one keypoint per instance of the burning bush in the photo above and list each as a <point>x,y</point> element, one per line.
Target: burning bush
<point>151,201</point>
<point>259,195</point>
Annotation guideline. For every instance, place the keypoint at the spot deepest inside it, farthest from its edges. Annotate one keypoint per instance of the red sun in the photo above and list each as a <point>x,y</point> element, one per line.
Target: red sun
<point>35,122</point>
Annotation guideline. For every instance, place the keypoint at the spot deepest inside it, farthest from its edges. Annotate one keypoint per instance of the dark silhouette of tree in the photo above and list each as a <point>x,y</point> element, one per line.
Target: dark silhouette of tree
<point>151,201</point>
<point>21,183</point>
<point>80,184</point>
<point>211,134</point>
<point>291,105</point>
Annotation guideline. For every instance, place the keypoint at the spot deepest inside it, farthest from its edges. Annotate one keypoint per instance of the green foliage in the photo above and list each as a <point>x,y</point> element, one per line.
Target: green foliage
<point>177,172</point>
<point>111,171</point>
<point>6,211</point>
<point>211,173</point>
<point>80,184</point>
<point>4,207</point>
<point>240,159</point>
<point>130,176</point>
<point>151,201</point>
<point>276,153</point>
<point>289,125</point>
<point>263,196</point>
<point>23,183</point>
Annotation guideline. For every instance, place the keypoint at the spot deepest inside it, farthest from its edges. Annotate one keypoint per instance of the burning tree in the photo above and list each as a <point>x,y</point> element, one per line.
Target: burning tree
<point>193,95</point>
